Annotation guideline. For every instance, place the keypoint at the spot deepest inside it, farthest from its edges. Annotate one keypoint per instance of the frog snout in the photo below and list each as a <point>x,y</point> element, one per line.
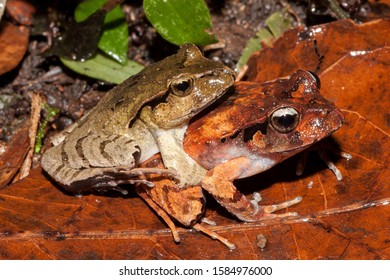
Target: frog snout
<point>230,72</point>
<point>335,118</point>
<point>228,76</point>
<point>338,115</point>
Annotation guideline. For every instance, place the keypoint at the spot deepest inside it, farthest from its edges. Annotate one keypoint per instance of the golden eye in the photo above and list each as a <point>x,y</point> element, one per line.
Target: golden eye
<point>285,120</point>
<point>182,86</point>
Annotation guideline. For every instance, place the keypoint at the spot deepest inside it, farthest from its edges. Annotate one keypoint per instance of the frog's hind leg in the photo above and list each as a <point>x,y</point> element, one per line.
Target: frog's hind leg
<point>141,192</point>
<point>268,209</point>
<point>148,197</point>
<point>140,171</point>
<point>100,179</point>
<point>214,235</point>
<point>219,183</point>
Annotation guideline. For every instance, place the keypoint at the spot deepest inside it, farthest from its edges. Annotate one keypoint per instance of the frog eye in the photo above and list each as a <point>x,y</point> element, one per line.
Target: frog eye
<point>315,78</point>
<point>182,86</point>
<point>284,120</point>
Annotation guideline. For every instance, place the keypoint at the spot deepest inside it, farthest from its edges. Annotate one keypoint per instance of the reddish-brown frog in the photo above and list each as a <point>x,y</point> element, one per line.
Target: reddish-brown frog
<point>257,127</point>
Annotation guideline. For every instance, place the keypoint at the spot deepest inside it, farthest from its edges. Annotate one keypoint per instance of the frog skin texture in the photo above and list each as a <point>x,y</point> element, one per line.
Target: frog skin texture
<point>146,114</point>
<point>257,127</point>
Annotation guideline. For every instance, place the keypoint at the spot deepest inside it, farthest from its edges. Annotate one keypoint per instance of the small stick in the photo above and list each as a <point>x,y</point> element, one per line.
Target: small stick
<point>36,105</point>
<point>242,73</point>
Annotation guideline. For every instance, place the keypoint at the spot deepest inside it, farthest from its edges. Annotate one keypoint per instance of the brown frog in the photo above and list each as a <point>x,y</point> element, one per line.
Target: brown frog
<point>103,149</point>
<point>254,129</point>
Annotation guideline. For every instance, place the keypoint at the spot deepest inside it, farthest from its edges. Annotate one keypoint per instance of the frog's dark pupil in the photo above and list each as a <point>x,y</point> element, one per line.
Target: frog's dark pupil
<point>286,120</point>
<point>183,86</point>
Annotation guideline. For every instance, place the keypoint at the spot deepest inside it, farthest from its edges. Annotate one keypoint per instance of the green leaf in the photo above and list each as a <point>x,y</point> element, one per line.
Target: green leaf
<point>252,45</point>
<point>180,21</point>
<point>277,24</point>
<point>87,8</point>
<point>103,68</point>
<point>114,39</point>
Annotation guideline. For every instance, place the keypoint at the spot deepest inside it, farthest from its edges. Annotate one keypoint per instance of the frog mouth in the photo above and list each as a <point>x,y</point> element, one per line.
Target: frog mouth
<point>295,150</point>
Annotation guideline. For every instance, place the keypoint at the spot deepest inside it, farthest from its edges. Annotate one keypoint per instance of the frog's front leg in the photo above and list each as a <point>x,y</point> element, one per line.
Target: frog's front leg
<point>96,161</point>
<point>187,171</point>
<point>219,183</point>
<point>170,144</point>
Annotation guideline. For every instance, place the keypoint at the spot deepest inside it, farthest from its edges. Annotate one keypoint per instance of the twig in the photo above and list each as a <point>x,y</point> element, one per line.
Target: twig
<point>36,105</point>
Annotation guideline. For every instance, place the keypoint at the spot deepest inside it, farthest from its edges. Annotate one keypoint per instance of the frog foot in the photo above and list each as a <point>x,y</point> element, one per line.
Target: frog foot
<point>323,148</point>
<point>214,235</point>
<point>324,156</point>
<point>161,171</point>
<point>208,221</point>
<point>266,212</point>
<point>140,172</point>
<point>160,212</point>
<point>283,205</point>
<point>256,198</point>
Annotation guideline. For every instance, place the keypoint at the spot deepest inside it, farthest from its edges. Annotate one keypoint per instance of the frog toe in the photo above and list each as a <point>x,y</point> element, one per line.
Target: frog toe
<point>283,205</point>
<point>267,212</point>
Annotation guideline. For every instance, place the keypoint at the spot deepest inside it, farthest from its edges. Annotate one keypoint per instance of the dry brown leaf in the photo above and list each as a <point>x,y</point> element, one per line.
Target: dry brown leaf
<point>20,10</point>
<point>15,153</point>
<point>37,220</point>
<point>301,48</point>
<point>13,46</point>
<point>13,37</point>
